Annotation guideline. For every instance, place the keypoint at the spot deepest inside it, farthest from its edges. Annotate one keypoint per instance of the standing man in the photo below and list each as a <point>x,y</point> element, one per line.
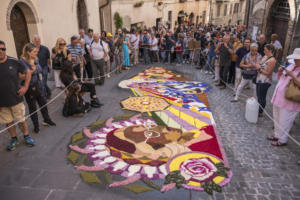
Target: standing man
<point>12,108</point>
<point>44,61</point>
<point>77,55</point>
<point>225,50</point>
<point>239,55</point>
<point>98,51</point>
<point>261,44</point>
<point>135,40</point>
<point>146,47</point>
<point>89,37</point>
<point>278,47</point>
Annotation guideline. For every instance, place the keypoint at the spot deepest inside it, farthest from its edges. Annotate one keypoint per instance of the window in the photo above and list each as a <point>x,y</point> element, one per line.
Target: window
<point>170,16</point>
<point>225,10</point>
<point>218,10</point>
<point>236,8</point>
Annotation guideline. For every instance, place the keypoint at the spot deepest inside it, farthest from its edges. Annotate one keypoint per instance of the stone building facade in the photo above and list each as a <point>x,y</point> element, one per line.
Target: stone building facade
<point>227,12</point>
<point>276,16</point>
<point>153,12</point>
<point>20,20</point>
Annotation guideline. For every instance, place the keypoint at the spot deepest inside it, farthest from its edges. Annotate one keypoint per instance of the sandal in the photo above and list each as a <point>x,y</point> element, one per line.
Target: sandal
<point>272,138</point>
<point>278,144</point>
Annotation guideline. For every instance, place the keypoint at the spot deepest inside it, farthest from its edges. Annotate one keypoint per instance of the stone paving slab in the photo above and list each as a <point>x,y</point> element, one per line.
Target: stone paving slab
<point>260,171</point>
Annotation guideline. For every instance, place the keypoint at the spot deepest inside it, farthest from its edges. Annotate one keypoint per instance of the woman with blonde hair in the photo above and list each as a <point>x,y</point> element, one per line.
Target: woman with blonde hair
<point>59,56</point>
<point>36,91</point>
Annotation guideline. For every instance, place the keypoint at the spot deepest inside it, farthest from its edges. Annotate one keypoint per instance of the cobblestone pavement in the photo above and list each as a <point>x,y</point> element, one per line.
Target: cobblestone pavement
<point>260,171</point>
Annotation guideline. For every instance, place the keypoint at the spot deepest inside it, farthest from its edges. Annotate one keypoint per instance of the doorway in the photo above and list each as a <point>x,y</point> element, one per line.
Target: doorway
<point>82,15</point>
<point>19,28</point>
<point>278,20</point>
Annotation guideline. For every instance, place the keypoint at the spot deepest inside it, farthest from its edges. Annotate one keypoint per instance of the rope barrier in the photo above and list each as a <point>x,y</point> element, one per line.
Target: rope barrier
<point>264,110</point>
<point>52,100</point>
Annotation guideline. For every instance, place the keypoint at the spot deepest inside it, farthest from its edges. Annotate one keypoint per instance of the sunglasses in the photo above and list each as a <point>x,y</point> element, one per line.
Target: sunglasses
<point>62,44</point>
<point>3,49</point>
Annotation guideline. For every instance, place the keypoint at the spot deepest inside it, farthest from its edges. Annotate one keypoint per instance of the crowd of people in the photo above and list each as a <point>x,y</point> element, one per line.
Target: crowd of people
<point>224,53</point>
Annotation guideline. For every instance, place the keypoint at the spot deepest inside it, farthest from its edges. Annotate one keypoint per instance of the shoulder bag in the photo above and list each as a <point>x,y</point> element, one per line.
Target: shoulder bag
<point>292,91</point>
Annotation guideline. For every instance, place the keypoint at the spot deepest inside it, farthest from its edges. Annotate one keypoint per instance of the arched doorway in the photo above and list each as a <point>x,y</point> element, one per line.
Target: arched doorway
<point>180,17</point>
<point>22,21</point>
<point>19,28</point>
<point>82,15</point>
<point>278,20</point>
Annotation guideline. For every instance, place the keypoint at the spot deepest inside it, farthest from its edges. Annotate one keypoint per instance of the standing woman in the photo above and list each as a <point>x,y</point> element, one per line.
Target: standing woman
<point>284,110</point>
<point>59,56</point>
<point>35,93</point>
<point>248,70</point>
<point>118,50</point>
<point>264,78</point>
<point>126,46</point>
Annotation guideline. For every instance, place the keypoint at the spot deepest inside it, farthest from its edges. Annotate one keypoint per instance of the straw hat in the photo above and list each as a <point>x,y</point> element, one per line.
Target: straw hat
<point>295,55</point>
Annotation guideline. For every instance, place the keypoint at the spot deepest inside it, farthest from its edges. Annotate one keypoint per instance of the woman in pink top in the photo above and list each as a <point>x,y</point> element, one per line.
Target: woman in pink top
<point>285,111</point>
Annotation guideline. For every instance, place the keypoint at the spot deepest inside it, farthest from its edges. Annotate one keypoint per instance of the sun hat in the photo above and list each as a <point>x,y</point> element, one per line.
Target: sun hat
<point>295,55</point>
<point>108,34</point>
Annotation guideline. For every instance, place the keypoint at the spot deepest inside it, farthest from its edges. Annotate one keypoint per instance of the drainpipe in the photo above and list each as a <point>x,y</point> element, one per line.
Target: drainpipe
<point>101,7</point>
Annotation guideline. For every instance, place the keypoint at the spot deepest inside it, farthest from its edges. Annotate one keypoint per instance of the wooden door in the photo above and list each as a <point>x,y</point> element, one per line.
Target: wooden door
<point>19,29</point>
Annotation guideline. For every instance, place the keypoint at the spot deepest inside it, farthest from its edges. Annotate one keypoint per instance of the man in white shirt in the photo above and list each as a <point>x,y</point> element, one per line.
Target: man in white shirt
<point>135,39</point>
<point>278,47</point>
<point>154,48</point>
<point>98,51</point>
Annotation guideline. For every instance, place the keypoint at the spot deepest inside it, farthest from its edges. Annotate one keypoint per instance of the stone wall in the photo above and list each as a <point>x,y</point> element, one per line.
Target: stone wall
<point>48,19</point>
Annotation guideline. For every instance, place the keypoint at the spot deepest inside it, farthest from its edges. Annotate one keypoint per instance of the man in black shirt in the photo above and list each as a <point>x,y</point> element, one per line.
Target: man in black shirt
<point>240,53</point>
<point>261,44</point>
<point>44,61</point>
<point>12,72</point>
<point>225,50</point>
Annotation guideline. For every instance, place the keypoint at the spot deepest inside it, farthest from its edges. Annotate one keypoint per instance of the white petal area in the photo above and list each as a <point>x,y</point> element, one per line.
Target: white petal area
<point>150,171</point>
<point>133,169</point>
<point>117,126</point>
<point>101,154</point>
<point>119,165</point>
<point>108,160</point>
<point>186,176</point>
<point>99,141</point>
<point>150,121</point>
<point>99,147</point>
<point>107,130</point>
<point>163,170</point>
<point>128,124</point>
<point>138,122</point>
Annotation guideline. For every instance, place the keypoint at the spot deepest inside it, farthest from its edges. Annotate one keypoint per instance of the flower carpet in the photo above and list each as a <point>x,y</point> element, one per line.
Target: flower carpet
<point>170,135</point>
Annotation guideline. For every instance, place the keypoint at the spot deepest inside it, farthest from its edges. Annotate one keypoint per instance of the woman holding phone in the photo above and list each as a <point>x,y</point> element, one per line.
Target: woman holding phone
<point>285,111</point>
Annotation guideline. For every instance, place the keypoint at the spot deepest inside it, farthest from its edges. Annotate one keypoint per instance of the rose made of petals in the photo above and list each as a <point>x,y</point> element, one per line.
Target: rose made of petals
<point>198,169</point>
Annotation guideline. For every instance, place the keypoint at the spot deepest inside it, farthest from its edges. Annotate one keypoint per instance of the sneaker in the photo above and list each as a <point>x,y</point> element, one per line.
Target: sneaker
<point>108,76</point>
<point>29,141</point>
<point>206,72</point>
<point>234,100</point>
<point>12,145</point>
<point>222,87</point>
<point>95,103</point>
<point>49,123</point>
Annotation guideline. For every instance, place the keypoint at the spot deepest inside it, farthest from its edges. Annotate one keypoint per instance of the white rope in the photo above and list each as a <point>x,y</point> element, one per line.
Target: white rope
<point>264,110</point>
<point>49,102</point>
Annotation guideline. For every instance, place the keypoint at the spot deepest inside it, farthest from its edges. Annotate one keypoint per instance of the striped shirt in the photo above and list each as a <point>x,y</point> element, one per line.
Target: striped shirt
<point>75,52</point>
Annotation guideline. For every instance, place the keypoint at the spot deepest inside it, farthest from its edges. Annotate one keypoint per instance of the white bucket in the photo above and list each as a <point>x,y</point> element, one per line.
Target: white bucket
<point>252,108</point>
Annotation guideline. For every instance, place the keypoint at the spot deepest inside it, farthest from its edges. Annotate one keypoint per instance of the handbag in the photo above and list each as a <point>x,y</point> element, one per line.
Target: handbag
<point>292,91</point>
